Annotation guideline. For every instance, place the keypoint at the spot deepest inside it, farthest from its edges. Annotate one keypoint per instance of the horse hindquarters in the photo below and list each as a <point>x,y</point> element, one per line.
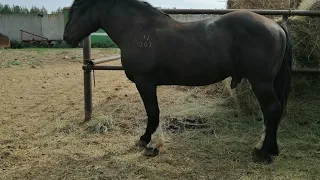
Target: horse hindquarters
<point>272,97</point>
<point>282,82</point>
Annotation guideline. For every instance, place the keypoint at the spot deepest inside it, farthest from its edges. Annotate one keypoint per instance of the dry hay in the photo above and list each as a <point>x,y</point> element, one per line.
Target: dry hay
<point>263,4</point>
<point>305,33</point>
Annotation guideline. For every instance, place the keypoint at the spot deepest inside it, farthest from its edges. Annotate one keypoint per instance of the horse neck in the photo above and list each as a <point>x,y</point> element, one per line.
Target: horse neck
<point>122,18</point>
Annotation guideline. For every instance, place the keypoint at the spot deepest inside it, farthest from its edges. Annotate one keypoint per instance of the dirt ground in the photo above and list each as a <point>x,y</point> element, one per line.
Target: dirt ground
<point>42,134</point>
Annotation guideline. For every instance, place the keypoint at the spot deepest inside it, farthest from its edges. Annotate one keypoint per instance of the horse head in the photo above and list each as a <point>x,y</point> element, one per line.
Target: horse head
<point>83,19</point>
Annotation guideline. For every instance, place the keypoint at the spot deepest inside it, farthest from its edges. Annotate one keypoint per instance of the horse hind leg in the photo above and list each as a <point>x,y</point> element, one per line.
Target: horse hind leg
<point>272,111</point>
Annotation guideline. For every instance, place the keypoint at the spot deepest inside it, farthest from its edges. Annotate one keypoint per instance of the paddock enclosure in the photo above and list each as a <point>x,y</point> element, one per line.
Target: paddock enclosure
<point>43,135</point>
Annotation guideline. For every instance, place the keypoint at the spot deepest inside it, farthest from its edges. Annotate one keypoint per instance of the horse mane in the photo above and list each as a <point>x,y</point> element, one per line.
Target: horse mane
<point>81,3</point>
<point>144,5</point>
<point>77,2</point>
<point>140,4</point>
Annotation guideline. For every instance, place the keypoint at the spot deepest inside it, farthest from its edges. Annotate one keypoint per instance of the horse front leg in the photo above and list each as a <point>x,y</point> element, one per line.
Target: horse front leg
<point>153,138</point>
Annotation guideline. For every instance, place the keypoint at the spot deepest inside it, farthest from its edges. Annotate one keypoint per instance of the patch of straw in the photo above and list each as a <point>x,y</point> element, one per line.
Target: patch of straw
<point>305,34</point>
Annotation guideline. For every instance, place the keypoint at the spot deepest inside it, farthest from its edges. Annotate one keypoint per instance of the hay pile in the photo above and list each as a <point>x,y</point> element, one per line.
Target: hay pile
<point>305,32</point>
<point>263,4</point>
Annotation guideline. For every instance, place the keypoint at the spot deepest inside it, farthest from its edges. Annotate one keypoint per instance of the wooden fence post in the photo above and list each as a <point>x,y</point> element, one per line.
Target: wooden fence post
<point>87,79</point>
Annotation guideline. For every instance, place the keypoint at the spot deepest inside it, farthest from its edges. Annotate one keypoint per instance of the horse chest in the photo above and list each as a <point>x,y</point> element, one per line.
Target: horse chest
<point>140,42</point>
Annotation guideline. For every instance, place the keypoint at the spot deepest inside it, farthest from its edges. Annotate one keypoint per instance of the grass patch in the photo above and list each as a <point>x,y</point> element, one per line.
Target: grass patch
<point>34,63</point>
<point>13,63</point>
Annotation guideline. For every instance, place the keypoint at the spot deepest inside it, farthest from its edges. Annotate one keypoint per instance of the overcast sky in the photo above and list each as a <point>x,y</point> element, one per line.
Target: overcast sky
<point>55,4</point>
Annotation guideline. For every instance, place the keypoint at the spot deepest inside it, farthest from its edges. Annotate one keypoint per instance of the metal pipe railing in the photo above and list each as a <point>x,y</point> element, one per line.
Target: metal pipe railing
<point>104,60</point>
<point>23,31</point>
<point>288,12</point>
<point>258,11</point>
<point>102,67</point>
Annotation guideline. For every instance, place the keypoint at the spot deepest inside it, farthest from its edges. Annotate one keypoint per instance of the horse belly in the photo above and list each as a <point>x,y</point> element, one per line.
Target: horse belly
<point>188,81</point>
<point>196,75</point>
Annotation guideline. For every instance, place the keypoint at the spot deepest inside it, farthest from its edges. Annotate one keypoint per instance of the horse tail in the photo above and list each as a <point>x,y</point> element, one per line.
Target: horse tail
<point>283,79</point>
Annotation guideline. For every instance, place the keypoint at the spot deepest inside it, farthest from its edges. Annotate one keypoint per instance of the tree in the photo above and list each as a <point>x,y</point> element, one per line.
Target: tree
<point>58,11</point>
<point>6,9</point>
<point>25,10</point>
<point>16,10</point>
<point>35,10</point>
<point>43,10</point>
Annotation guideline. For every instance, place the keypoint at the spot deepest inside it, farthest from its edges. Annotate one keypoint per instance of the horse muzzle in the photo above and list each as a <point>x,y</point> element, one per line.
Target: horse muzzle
<point>70,41</point>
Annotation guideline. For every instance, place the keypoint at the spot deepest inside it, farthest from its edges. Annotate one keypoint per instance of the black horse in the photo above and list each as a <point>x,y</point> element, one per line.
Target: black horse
<point>158,50</point>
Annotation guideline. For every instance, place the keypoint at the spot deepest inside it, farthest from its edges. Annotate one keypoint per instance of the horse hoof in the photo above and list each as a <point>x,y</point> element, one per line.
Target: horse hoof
<point>141,143</point>
<point>274,151</point>
<point>151,152</point>
<point>260,156</point>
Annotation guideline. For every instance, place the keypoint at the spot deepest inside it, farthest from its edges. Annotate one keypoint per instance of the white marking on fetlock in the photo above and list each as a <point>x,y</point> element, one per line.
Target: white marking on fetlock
<point>263,135</point>
<point>157,139</point>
